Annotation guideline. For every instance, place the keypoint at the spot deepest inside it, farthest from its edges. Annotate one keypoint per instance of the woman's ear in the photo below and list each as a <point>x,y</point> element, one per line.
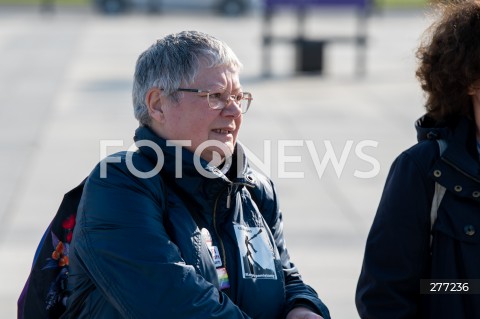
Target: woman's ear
<point>155,104</point>
<point>473,88</point>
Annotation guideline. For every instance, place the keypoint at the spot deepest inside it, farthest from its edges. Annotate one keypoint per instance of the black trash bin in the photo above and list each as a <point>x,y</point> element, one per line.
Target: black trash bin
<point>309,56</point>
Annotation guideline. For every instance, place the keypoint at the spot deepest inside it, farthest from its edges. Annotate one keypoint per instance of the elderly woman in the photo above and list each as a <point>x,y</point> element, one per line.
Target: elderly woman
<point>422,258</point>
<point>183,227</point>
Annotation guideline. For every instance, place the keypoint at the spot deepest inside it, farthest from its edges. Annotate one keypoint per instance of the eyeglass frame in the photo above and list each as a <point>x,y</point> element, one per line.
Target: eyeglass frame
<point>231,98</point>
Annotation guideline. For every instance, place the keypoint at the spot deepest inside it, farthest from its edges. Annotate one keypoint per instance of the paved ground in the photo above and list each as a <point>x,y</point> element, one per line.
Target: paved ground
<point>65,86</point>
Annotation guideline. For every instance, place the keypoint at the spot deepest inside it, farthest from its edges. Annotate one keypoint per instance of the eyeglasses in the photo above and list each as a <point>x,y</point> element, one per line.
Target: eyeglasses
<point>219,101</point>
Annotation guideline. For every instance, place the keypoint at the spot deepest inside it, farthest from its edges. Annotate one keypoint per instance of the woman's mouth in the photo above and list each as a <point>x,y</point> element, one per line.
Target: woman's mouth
<point>222,131</point>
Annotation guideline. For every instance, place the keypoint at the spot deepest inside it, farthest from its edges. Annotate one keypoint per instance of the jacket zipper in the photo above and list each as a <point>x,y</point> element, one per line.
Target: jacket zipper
<point>229,196</point>
<point>228,204</point>
<point>229,190</point>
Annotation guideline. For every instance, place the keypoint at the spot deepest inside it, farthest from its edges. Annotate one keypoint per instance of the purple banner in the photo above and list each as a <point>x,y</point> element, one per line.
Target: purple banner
<point>333,3</point>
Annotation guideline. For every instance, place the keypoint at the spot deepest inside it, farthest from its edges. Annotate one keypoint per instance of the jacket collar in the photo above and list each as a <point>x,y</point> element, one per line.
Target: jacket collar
<point>460,151</point>
<point>189,172</point>
<point>428,129</point>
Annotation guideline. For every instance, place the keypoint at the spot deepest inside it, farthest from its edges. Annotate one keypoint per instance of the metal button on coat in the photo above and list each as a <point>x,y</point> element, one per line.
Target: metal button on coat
<point>458,188</point>
<point>476,194</point>
<point>469,230</point>
<point>437,173</point>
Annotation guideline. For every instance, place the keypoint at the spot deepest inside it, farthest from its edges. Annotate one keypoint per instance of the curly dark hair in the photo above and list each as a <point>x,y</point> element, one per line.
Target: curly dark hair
<point>449,60</point>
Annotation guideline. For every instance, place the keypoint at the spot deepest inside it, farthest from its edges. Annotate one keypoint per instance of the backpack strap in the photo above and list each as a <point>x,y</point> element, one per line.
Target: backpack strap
<point>438,195</point>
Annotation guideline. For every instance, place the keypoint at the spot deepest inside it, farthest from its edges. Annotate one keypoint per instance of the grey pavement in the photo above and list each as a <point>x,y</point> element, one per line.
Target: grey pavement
<point>65,84</point>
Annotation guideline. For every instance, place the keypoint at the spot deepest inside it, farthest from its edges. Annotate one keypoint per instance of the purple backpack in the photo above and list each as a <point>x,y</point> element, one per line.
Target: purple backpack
<point>45,293</point>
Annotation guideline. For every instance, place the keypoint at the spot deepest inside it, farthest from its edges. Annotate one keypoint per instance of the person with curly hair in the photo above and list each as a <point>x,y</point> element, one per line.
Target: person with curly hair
<point>422,255</point>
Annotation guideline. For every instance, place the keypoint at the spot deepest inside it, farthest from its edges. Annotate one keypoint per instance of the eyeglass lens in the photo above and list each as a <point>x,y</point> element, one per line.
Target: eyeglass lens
<point>219,101</point>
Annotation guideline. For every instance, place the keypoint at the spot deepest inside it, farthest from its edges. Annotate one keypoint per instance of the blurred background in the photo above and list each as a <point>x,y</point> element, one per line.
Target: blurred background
<point>334,90</point>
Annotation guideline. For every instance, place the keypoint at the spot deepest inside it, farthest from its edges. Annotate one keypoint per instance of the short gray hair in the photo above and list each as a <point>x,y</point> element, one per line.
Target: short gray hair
<point>174,61</point>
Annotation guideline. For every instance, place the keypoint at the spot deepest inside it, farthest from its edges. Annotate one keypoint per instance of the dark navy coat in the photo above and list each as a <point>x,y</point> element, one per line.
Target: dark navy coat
<point>398,253</point>
<point>150,246</point>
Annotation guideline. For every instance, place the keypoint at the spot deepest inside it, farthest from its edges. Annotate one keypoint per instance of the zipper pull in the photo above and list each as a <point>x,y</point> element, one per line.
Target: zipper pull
<point>229,196</point>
